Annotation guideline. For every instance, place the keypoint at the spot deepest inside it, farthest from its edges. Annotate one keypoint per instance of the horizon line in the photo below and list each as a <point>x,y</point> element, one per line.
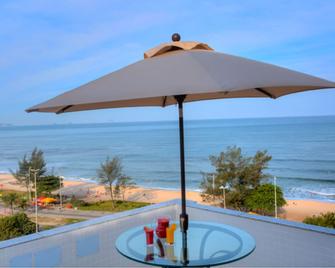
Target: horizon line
<point>4,125</point>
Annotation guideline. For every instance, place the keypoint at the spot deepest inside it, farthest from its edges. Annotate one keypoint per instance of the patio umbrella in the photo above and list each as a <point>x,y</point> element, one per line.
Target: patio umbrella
<point>40,199</point>
<point>49,200</point>
<point>179,72</point>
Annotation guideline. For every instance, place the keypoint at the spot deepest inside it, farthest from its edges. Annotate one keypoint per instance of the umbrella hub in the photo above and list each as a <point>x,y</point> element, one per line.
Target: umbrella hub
<point>175,45</point>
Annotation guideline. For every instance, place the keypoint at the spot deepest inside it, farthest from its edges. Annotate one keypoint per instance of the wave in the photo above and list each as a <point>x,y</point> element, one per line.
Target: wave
<point>303,160</point>
<point>312,191</point>
<point>81,179</point>
<point>325,170</point>
<point>146,184</point>
<point>322,193</point>
<point>303,193</point>
<point>306,179</point>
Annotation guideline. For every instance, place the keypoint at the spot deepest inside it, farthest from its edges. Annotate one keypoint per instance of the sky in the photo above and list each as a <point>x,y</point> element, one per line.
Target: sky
<point>48,47</point>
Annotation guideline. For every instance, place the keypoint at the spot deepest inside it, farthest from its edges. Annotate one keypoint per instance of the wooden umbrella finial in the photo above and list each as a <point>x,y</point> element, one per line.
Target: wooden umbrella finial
<point>174,46</point>
<point>176,37</point>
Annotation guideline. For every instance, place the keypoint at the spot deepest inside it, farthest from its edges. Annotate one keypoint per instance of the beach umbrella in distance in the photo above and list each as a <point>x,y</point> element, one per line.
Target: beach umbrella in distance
<point>49,200</point>
<point>180,72</point>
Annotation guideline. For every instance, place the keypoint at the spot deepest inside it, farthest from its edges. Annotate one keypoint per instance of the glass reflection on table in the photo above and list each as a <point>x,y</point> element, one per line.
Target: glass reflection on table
<point>204,244</point>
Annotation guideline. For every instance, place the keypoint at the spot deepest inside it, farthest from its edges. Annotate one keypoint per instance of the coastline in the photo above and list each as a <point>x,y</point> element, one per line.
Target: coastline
<point>294,210</point>
<point>301,172</point>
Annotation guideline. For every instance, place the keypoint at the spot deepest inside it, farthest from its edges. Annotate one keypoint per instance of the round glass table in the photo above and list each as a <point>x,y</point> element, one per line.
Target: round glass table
<point>205,244</point>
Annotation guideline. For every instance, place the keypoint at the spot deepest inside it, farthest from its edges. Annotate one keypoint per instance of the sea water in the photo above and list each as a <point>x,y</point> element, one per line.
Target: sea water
<point>302,150</point>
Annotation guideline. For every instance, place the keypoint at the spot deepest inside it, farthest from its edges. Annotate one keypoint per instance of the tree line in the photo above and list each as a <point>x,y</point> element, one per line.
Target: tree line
<point>110,174</point>
<point>46,181</point>
<point>244,178</point>
<point>246,183</point>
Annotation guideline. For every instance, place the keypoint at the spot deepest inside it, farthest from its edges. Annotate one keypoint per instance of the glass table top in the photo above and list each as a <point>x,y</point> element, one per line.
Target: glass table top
<point>206,244</point>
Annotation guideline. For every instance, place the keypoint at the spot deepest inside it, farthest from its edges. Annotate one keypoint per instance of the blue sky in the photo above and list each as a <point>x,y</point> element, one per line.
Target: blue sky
<point>48,47</point>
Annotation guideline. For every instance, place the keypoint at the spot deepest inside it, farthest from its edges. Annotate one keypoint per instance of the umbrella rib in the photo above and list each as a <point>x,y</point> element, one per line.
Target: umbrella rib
<point>64,109</point>
<point>268,94</point>
<point>164,101</point>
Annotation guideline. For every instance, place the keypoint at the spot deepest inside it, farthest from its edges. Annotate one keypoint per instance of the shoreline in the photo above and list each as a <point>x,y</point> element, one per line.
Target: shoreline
<point>295,210</point>
<point>95,183</point>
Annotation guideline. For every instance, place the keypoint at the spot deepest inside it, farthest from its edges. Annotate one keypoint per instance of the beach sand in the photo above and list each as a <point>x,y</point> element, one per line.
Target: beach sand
<point>295,210</point>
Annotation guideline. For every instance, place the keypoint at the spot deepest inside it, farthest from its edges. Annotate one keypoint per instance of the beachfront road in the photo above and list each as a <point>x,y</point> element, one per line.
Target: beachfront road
<point>64,213</point>
<point>75,214</point>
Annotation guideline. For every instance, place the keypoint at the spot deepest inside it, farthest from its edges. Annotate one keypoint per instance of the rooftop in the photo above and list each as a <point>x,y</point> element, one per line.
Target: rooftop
<point>92,243</point>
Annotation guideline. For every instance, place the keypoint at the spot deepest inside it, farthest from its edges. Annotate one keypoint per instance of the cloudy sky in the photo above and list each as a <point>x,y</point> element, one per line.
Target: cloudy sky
<point>48,47</point>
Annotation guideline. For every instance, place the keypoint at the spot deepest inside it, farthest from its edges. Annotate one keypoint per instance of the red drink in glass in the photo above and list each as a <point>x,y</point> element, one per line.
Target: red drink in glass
<point>162,224</point>
<point>149,233</point>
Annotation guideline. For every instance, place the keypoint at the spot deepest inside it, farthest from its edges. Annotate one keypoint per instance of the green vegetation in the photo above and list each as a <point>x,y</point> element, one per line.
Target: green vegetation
<point>110,175</point>
<point>111,206</point>
<point>70,220</point>
<point>123,184</point>
<point>49,183</point>
<point>244,177</point>
<point>15,225</point>
<point>4,192</point>
<point>14,200</point>
<point>47,223</point>
<point>24,175</point>
<point>324,219</point>
<point>57,222</point>
<point>22,203</point>
<point>76,202</point>
<point>262,200</point>
<point>9,200</point>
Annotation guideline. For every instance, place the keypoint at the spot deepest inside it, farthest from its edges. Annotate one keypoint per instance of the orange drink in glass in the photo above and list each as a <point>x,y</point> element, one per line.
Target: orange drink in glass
<point>170,233</point>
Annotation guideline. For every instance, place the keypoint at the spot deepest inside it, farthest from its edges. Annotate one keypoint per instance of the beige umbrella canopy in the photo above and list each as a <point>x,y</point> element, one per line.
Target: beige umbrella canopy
<point>182,68</point>
<point>178,72</point>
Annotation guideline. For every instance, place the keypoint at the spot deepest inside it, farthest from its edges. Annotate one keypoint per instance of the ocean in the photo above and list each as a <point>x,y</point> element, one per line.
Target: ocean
<point>302,149</point>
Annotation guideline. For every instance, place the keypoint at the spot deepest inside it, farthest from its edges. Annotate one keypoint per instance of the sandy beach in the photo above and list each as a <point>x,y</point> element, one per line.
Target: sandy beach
<point>295,210</point>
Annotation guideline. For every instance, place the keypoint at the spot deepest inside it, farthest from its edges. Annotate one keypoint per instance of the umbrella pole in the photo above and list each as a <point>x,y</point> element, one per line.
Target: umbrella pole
<point>183,216</point>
